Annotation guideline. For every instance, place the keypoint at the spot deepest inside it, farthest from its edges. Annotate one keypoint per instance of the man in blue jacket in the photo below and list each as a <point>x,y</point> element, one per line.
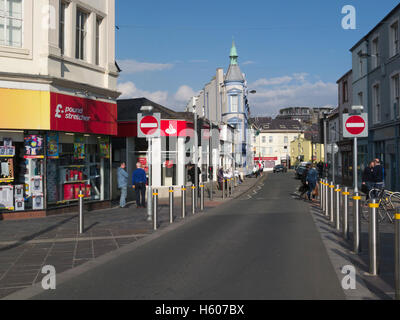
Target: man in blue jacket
<point>139,181</point>
<point>311,180</point>
<point>122,177</point>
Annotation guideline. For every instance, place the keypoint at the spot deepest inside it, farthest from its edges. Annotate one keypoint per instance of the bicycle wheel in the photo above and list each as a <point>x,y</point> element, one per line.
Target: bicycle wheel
<point>395,200</point>
<point>364,210</point>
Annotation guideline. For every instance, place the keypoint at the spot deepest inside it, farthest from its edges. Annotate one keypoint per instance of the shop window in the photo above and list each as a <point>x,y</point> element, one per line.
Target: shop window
<point>22,164</point>
<point>77,164</point>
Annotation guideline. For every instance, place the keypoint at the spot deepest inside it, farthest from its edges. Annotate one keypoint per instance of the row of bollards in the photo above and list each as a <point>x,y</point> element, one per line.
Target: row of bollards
<point>336,210</point>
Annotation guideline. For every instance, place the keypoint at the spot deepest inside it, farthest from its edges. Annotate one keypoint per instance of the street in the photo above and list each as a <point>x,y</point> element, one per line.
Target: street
<point>263,245</point>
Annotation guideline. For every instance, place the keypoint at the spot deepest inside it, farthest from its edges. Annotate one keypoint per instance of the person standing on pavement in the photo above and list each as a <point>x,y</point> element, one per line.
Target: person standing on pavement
<point>122,177</point>
<point>311,180</point>
<point>139,181</point>
<point>368,179</point>
<point>379,175</point>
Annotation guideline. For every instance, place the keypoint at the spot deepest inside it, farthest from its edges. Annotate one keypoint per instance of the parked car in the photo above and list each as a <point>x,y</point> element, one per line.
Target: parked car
<point>299,172</point>
<point>280,168</point>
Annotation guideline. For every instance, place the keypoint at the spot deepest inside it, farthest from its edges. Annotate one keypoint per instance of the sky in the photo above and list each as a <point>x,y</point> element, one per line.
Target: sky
<point>292,52</point>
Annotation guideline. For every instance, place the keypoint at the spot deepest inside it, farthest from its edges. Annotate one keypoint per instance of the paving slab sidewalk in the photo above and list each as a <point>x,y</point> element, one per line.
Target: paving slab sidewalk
<point>379,287</point>
<point>28,245</point>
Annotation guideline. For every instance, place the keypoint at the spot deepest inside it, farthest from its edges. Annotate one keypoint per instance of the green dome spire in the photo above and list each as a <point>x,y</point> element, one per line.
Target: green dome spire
<point>234,56</point>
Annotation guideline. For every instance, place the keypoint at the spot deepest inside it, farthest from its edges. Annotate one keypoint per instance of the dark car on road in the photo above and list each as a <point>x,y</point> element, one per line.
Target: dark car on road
<point>280,168</point>
<point>299,172</point>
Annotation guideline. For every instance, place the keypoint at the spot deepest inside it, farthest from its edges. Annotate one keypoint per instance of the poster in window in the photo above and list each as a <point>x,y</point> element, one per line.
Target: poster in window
<point>104,144</point>
<point>52,146</point>
<point>79,148</point>
<point>33,146</point>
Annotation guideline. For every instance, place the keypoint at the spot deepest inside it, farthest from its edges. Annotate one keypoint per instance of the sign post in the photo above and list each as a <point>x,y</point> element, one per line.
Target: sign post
<point>148,126</point>
<point>355,126</point>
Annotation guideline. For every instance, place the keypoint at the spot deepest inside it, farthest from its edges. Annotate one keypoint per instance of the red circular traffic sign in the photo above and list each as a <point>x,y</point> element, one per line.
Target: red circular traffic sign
<point>355,125</point>
<point>149,125</point>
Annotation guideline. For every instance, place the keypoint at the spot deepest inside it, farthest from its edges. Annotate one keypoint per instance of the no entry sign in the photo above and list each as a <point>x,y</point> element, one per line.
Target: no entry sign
<point>148,125</point>
<point>355,126</point>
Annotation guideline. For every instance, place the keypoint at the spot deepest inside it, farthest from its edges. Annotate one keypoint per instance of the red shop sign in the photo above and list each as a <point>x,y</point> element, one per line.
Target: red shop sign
<point>75,114</point>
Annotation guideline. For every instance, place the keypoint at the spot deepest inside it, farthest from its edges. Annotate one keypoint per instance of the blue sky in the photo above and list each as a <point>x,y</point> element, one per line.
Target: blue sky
<point>291,51</point>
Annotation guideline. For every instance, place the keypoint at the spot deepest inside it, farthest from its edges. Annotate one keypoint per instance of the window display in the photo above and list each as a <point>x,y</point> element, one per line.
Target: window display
<point>72,163</point>
<point>78,167</point>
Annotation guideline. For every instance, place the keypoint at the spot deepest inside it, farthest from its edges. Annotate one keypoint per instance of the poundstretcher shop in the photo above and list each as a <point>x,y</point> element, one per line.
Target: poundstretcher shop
<point>54,144</point>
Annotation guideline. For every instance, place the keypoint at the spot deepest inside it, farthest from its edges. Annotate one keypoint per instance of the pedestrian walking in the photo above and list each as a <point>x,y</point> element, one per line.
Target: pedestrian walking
<point>304,186</point>
<point>220,178</point>
<point>311,181</point>
<point>139,181</point>
<point>122,177</point>
<point>379,175</point>
<point>368,179</point>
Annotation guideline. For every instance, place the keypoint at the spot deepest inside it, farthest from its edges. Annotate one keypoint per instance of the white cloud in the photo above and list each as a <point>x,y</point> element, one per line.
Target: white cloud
<point>175,101</point>
<point>184,93</point>
<point>287,91</point>
<point>271,81</point>
<point>247,62</point>
<point>129,66</point>
<point>129,90</point>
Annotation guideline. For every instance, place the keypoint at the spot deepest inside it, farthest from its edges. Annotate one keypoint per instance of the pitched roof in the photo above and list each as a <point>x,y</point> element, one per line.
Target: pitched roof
<point>129,108</point>
<point>267,123</point>
<point>234,74</point>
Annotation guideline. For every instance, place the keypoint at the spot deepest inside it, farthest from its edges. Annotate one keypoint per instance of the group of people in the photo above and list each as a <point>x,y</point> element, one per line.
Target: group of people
<point>227,174</point>
<point>139,181</point>
<point>258,169</point>
<point>373,177</point>
<point>309,182</point>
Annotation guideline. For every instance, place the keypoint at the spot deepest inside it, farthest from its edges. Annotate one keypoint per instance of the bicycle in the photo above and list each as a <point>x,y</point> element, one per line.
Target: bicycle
<point>385,210</point>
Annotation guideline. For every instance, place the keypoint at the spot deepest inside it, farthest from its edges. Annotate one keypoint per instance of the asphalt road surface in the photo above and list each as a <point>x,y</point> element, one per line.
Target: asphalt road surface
<point>263,245</point>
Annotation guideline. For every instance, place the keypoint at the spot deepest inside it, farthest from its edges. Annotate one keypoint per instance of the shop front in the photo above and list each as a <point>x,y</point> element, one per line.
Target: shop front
<point>52,149</point>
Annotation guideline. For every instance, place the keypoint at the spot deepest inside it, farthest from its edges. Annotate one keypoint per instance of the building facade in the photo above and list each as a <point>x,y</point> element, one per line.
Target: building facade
<point>223,101</point>
<point>376,72</point>
<point>58,81</point>
<point>272,144</point>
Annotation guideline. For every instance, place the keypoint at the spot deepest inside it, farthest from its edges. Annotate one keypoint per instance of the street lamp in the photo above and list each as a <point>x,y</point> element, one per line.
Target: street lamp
<point>148,110</point>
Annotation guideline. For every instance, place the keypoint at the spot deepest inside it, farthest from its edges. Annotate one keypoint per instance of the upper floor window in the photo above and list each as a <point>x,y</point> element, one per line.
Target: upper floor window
<point>98,26</point>
<point>375,53</point>
<point>285,140</point>
<point>376,103</point>
<point>395,88</point>
<point>11,23</point>
<point>394,38</point>
<point>361,64</point>
<point>264,139</point>
<point>360,99</point>
<point>345,92</point>
<point>81,32</point>
<point>271,139</point>
<point>234,102</point>
<point>63,8</point>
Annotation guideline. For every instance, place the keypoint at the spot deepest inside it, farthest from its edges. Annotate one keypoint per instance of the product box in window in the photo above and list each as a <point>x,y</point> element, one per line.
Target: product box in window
<point>19,205</point>
<point>37,202</point>
<point>68,191</point>
<point>19,192</point>
<point>88,192</point>
<point>6,196</point>
<point>36,185</point>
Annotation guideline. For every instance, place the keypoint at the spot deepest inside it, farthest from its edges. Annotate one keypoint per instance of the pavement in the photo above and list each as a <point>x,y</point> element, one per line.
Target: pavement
<point>28,245</point>
<point>380,287</point>
<point>261,245</point>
